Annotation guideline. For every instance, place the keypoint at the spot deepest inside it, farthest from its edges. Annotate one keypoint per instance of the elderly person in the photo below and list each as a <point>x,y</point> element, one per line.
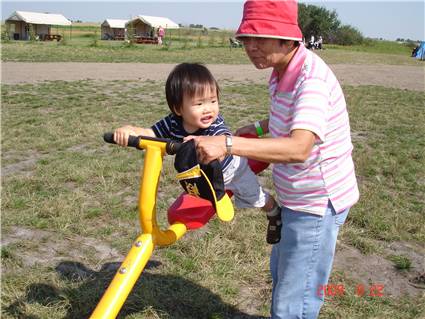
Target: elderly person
<point>310,146</point>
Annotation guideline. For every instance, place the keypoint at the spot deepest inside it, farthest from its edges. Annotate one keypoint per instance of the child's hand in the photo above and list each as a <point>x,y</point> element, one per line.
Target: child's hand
<point>188,138</point>
<point>121,134</point>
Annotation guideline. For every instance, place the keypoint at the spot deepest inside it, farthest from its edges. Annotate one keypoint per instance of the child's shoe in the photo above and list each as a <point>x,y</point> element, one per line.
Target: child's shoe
<point>275,226</point>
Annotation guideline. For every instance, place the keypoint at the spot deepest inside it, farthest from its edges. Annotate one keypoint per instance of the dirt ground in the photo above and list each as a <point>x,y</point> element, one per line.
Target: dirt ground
<point>396,76</point>
<point>363,269</point>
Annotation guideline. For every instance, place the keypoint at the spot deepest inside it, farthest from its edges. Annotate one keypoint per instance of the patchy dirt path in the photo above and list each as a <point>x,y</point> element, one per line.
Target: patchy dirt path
<point>396,76</point>
<point>73,252</point>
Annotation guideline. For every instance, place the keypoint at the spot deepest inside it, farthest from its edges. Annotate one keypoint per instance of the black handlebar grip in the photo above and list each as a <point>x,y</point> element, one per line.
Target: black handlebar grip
<point>133,141</point>
<point>109,138</point>
<point>172,147</point>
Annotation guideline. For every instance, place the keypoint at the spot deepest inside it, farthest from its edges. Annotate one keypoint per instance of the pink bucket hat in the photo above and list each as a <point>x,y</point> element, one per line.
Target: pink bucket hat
<point>270,19</point>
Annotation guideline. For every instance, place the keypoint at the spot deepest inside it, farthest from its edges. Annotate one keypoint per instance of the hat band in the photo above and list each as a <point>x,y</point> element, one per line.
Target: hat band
<point>268,36</point>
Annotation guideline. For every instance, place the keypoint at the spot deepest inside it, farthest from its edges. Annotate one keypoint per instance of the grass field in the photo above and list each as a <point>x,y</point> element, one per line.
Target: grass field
<point>62,181</point>
<point>183,45</point>
<point>109,51</point>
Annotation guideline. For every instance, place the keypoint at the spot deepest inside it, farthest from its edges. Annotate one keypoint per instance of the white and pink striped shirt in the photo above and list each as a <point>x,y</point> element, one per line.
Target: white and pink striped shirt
<point>309,97</point>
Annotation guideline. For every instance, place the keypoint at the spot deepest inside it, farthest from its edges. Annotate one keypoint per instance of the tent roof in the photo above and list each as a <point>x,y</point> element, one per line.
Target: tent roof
<point>39,18</point>
<point>156,22</point>
<point>115,23</point>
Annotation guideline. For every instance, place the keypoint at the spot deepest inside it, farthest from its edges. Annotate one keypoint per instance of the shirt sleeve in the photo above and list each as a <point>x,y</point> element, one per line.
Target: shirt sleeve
<point>162,128</point>
<point>311,107</point>
<point>219,127</point>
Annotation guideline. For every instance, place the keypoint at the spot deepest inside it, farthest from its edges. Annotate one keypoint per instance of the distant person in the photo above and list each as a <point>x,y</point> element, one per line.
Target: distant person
<point>320,43</point>
<point>415,50</point>
<point>192,95</point>
<point>161,34</point>
<point>311,43</point>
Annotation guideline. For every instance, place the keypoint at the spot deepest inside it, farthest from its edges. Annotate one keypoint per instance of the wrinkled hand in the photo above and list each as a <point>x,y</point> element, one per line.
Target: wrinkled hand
<point>121,135</point>
<point>209,148</point>
<point>246,130</point>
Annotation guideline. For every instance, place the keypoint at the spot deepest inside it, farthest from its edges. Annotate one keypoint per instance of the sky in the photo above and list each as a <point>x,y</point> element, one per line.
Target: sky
<point>376,19</point>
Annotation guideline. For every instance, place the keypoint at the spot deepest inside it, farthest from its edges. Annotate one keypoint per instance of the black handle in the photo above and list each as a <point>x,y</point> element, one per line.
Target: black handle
<point>172,147</point>
<point>109,138</point>
<point>133,141</point>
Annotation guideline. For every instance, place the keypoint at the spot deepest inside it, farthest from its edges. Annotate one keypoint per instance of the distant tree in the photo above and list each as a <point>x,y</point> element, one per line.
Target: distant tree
<point>31,32</point>
<point>130,36</point>
<point>196,26</point>
<point>318,21</point>
<point>348,35</point>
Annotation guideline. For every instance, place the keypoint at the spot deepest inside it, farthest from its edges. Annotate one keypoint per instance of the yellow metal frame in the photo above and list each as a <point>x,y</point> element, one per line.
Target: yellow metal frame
<point>141,250</point>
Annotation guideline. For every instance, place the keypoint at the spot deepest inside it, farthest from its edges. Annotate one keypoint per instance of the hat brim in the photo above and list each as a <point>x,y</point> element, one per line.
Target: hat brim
<point>268,29</point>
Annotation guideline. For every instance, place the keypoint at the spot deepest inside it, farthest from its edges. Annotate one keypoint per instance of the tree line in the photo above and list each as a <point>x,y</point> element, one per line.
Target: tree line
<point>318,21</point>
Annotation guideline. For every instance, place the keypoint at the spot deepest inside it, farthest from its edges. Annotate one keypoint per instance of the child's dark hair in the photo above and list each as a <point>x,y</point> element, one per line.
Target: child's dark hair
<point>188,79</point>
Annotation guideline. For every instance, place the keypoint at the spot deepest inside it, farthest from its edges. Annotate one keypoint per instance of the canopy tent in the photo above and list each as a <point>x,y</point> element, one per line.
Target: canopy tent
<point>155,22</point>
<point>113,29</point>
<point>142,25</point>
<point>420,52</point>
<point>19,24</point>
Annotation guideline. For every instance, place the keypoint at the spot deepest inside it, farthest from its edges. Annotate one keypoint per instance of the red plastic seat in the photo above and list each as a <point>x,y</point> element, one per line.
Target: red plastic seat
<point>192,211</point>
<point>256,166</point>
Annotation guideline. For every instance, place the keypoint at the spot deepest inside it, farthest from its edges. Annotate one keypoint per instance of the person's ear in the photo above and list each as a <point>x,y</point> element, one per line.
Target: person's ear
<point>177,111</point>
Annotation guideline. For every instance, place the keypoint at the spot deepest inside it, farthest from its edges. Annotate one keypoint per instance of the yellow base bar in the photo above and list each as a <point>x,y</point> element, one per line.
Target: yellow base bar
<point>125,278</point>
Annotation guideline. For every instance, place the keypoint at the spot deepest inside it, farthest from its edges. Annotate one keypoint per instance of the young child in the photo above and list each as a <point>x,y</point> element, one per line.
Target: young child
<point>192,95</point>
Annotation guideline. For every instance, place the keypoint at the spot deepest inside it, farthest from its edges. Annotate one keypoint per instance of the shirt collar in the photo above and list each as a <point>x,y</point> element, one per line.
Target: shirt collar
<point>287,82</point>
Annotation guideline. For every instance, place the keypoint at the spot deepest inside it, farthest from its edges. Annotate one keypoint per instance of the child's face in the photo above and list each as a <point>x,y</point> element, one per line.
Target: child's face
<point>199,111</point>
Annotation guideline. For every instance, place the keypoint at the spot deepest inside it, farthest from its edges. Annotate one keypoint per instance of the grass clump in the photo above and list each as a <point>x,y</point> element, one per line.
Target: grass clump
<point>401,262</point>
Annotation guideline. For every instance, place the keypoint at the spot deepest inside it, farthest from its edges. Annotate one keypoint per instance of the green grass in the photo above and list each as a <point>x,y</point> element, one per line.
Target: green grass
<point>374,46</point>
<point>60,177</point>
<point>401,262</point>
<point>179,49</point>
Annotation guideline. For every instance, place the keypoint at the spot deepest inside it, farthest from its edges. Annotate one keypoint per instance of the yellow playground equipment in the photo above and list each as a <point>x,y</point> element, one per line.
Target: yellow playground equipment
<point>187,212</point>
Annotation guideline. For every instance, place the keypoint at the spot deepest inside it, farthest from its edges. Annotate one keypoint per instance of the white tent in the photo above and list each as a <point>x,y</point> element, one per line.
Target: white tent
<point>20,21</point>
<point>156,22</point>
<point>115,23</point>
<point>142,25</point>
<point>39,18</point>
<point>113,29</point>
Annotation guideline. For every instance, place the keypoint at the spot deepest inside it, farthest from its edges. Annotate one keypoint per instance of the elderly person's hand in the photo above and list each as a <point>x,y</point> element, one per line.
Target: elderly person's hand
<point>209,148</point>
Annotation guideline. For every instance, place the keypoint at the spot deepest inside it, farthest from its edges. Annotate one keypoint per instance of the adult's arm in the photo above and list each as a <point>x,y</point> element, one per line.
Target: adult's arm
<point>293,149</point>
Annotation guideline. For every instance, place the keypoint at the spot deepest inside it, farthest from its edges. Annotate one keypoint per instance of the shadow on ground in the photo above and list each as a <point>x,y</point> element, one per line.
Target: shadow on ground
<point>153,295</point>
